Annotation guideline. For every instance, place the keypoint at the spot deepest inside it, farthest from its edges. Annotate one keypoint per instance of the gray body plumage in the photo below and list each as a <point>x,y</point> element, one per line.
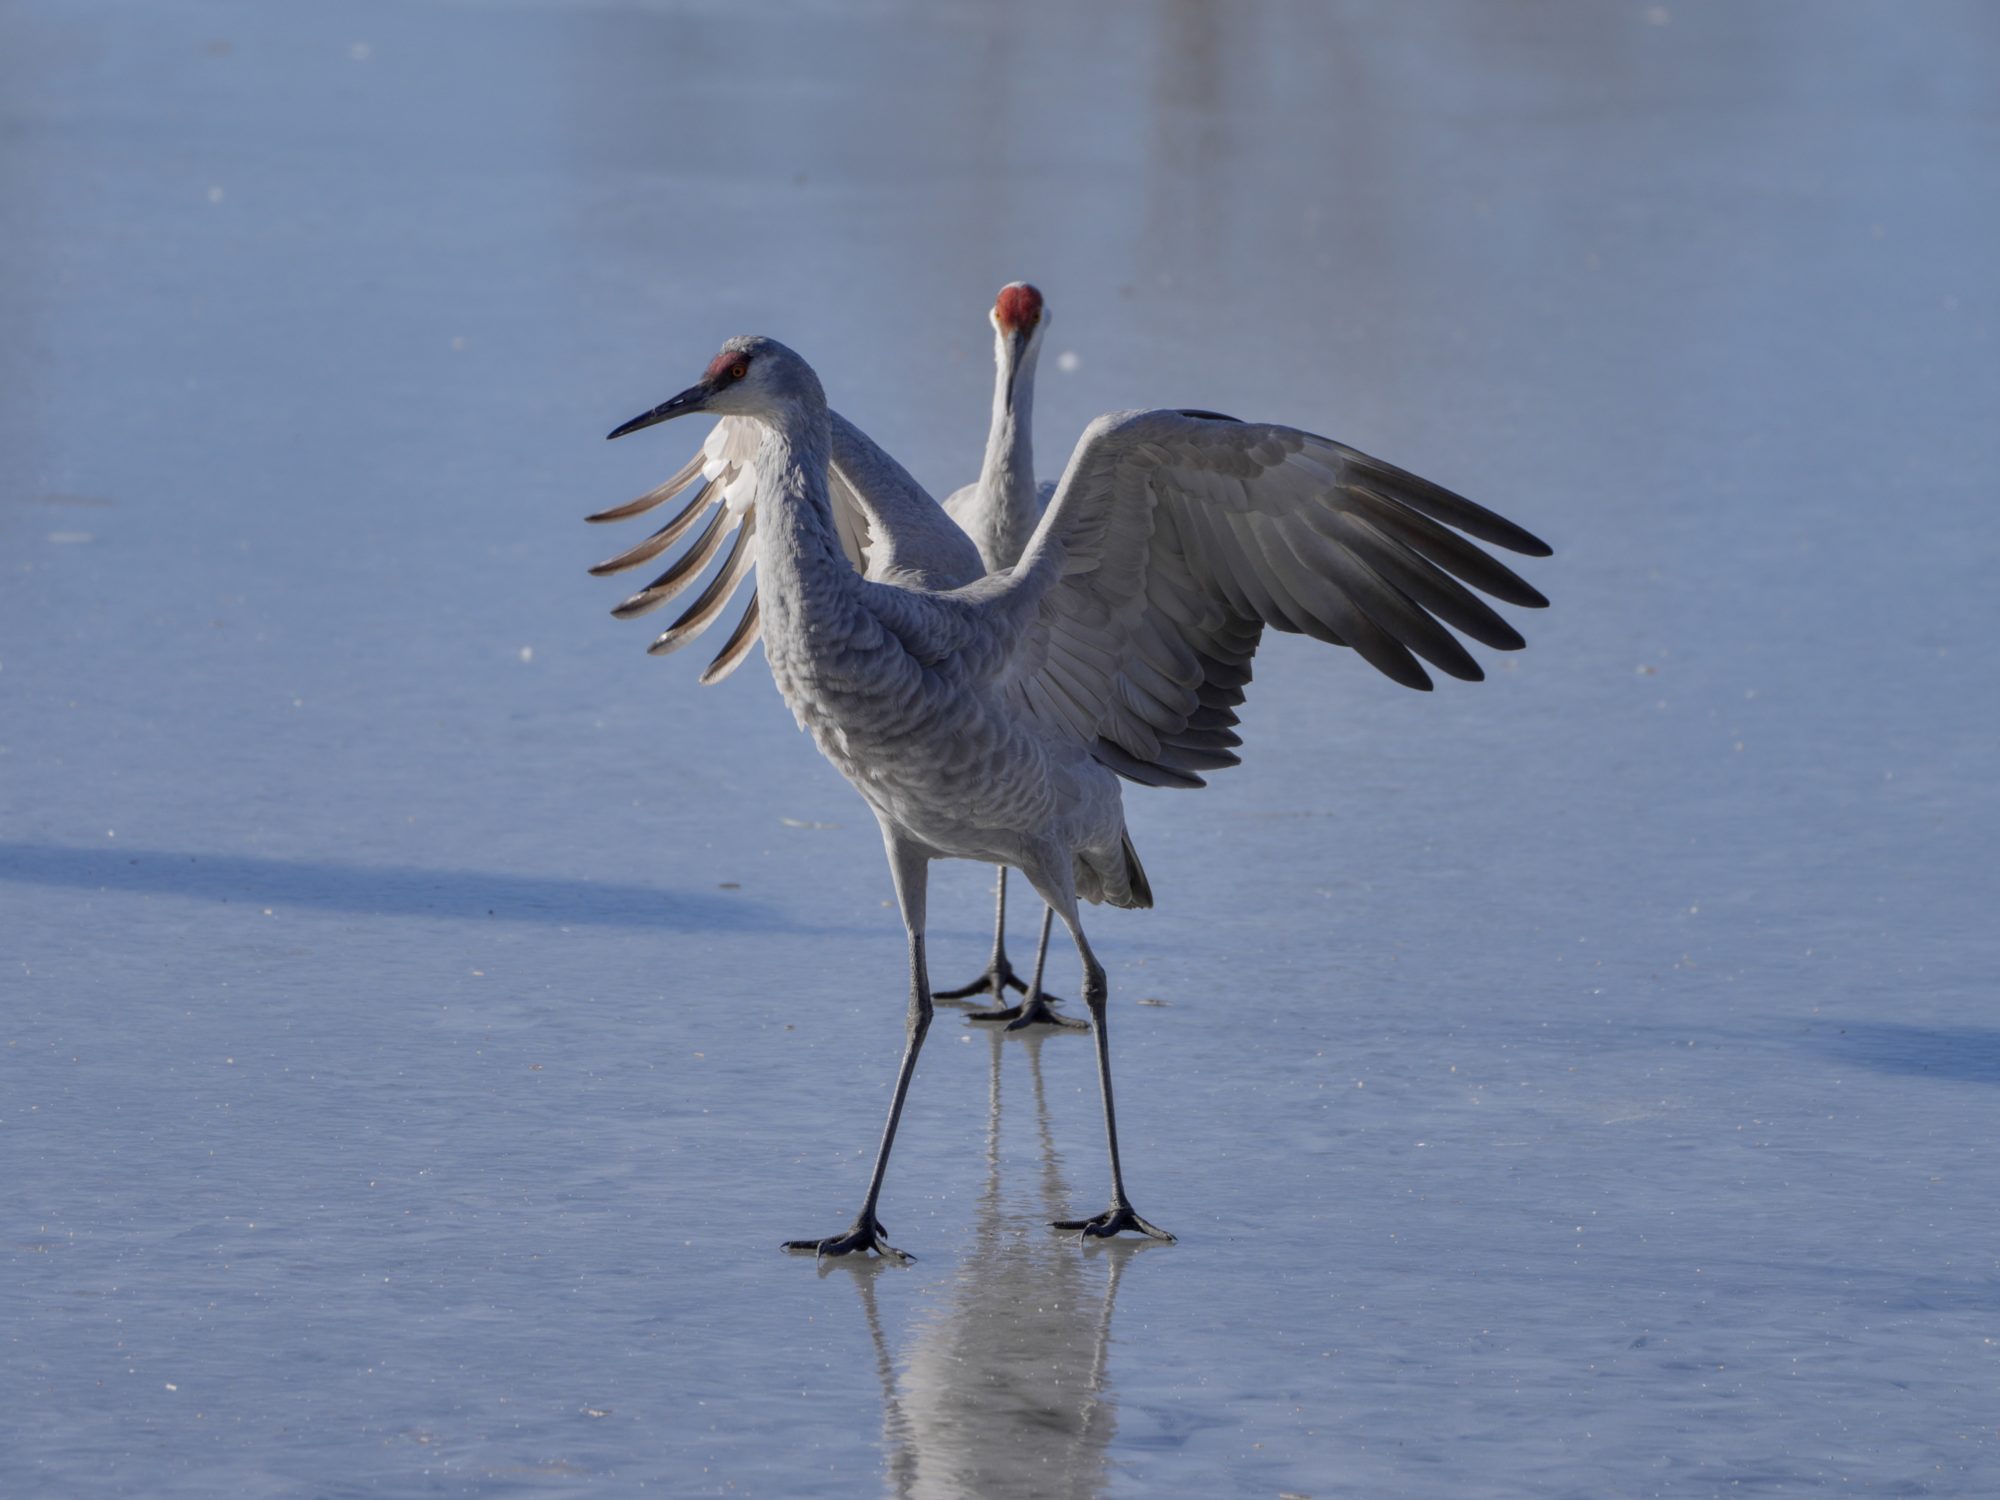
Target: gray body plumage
<point>902,688</point>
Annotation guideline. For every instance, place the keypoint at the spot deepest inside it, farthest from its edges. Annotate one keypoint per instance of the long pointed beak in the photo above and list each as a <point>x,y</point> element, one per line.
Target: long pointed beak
<point>688,400</point>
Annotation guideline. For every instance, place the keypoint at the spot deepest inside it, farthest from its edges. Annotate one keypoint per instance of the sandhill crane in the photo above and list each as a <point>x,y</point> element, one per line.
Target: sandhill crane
<point>1000,508</point>
<point>887,523</point>
<point>992,721</point>
<point>999,512</point>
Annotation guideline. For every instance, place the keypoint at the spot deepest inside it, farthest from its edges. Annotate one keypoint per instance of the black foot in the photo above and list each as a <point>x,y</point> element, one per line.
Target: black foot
<point>996,981</point>
<point>1110,1222</point>
<point>865,1235</point>
<point>1035,1012</point>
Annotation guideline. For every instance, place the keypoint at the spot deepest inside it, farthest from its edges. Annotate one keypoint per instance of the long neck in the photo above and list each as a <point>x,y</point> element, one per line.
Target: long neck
<point>802,572</point>
<point>1007,477</point>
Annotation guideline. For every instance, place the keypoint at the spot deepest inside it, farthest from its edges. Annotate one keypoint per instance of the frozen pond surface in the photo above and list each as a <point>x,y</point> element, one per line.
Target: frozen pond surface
<point>424,1014</point>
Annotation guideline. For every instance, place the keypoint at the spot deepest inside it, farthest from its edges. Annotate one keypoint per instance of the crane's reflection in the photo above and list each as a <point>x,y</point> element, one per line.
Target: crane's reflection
<point>1003,1391</point>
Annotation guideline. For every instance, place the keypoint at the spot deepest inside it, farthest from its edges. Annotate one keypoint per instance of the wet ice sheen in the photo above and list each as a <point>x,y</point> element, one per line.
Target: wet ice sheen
<point>425,1014</point>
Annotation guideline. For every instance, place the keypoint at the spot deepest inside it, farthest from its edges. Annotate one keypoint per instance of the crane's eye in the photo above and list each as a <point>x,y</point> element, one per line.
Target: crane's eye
<point>737,372</point>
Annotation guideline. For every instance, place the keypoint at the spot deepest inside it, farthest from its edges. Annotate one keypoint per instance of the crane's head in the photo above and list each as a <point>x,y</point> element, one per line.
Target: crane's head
<point>752,376</point>
<point>1019,316</point>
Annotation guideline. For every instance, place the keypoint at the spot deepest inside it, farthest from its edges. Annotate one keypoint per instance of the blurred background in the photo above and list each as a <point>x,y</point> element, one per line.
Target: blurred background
<point>425,1013</point>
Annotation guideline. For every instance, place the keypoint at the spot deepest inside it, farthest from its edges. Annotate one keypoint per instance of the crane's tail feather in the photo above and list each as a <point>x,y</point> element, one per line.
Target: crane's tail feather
<point>1135,876</point>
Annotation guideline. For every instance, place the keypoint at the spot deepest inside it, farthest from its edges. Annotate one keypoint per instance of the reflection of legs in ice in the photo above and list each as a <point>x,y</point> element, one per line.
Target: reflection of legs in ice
<point>1007,1374</point>
<point>902,1454</point>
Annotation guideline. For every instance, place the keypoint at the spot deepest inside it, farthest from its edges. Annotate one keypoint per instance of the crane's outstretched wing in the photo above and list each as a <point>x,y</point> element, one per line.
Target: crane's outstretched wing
<point>889,527</point>
<point>726,470</point>
<point>1175,537</point>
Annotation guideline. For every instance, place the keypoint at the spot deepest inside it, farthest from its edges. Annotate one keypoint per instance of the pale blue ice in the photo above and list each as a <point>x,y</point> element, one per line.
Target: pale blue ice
<point>424,1014</point>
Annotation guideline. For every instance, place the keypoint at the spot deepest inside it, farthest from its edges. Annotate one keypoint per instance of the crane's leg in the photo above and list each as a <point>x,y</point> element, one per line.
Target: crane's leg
<point>999,971</point>
<point>1034,1007</point>
<point>911,867</point>
<point>1060,893</point>
<point>1000,975</point>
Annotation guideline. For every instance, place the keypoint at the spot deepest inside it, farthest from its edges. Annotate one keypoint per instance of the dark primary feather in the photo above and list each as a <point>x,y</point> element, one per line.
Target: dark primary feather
<point>662,539</point>
<point>715,597</point>
<point>684,571</point>
<point>741,638</point>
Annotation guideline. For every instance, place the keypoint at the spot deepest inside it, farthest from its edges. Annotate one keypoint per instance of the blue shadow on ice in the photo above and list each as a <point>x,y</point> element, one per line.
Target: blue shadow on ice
<point>383,890</point>
<point>1960,1054</point>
